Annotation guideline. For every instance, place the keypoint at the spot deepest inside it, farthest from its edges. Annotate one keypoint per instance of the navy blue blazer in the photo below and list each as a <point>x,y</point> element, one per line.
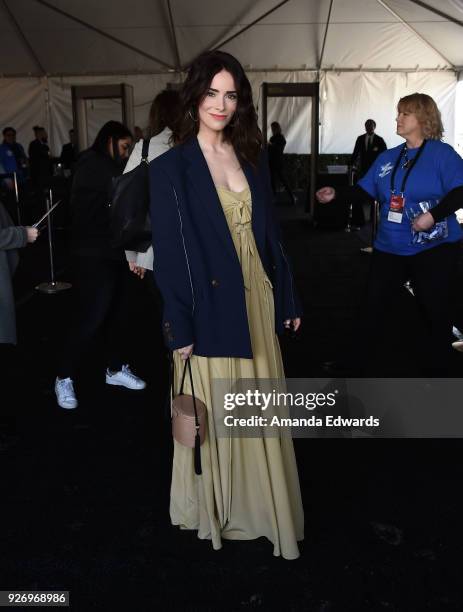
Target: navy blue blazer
<point>195,262</point>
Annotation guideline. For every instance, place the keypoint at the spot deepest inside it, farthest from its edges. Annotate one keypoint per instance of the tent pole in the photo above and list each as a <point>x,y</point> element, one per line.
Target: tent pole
<point>105,34</point>
<point>412,29</point>
<point>320,61</point>
<point>22,36</point>
<point>280,69</point>
<point>253,23</point>
<point>174,38</point>
<point>438,12</point>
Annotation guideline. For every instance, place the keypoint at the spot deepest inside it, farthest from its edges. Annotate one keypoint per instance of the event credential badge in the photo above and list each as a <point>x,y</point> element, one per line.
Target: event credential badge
<point>396,208</point>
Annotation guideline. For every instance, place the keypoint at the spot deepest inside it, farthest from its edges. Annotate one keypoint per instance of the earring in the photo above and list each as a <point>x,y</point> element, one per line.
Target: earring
<point>190,114</point>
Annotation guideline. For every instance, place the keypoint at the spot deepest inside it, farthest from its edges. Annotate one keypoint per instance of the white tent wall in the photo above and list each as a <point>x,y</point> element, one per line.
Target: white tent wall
<point>23,105</point>
<point>349,98</point>
<point>346,100</point>
<point>145,87</point>
<point>293,114</point>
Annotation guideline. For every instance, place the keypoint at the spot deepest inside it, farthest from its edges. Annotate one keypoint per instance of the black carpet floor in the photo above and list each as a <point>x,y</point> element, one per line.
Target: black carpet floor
<point>84,495</point>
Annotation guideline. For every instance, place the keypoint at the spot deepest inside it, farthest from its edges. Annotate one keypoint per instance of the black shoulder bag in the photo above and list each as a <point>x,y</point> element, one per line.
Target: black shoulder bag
<point>130,226</point>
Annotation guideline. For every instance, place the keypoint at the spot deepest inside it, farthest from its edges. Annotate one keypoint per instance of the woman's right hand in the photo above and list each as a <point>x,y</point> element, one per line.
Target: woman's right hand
<point>185,352</point>
<point>325,195</point>
<point>32,233</point>
<point>138,270</point>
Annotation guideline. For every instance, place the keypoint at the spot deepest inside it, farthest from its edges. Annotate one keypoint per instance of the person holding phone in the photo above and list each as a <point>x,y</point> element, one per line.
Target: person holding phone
<point>12,238</point>
<point>419,185</point>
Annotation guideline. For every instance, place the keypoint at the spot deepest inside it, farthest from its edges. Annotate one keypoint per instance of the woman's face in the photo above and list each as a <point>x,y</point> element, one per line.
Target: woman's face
<point>217,108</point>
<point>408,124</point>
<point>124,145</point>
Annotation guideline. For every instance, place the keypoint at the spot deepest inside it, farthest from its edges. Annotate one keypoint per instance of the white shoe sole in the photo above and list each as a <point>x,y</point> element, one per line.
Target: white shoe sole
<point>115,383</point>
<point>68,406</point>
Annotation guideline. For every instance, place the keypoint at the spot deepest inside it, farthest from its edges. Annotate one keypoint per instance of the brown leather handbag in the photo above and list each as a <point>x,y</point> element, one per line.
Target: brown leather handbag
<point>189,418</point>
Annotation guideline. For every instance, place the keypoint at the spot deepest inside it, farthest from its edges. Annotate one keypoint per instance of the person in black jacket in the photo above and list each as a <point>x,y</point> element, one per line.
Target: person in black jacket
<point>39,159</point>
<point>276,146</point>
<point>100,271</point>
<point>367,148</point>
<point>69,152</point>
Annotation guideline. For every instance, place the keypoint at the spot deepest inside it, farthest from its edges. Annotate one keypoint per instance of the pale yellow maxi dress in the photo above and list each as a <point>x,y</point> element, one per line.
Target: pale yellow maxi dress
<point>249,487</point>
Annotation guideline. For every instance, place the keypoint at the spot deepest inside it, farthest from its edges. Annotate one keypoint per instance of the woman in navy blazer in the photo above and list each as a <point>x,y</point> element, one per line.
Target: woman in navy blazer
<point>217,255</point>
<point>196,265</point>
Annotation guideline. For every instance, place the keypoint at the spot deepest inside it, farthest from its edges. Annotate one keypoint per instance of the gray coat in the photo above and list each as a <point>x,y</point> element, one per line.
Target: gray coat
<point>11,239</point>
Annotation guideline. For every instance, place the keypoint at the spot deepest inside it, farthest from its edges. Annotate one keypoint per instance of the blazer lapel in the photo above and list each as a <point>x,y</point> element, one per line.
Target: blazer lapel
<point>201,179</point>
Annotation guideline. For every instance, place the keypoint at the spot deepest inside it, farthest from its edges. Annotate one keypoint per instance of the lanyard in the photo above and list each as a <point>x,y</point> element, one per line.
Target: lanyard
<point>410,168</point>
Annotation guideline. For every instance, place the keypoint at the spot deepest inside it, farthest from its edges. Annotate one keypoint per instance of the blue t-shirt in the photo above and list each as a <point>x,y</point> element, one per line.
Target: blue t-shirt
<point>438,170</point>
<point>7,159</point>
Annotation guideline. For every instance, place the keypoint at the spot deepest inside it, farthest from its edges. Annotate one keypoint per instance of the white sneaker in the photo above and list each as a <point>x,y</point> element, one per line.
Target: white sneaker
<point>458,345</point>
<point>125,378</point>
<point>65,395</point>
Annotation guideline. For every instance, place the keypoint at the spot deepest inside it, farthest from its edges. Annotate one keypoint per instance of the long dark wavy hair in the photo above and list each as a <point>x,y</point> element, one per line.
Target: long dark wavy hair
<point>243,131</point>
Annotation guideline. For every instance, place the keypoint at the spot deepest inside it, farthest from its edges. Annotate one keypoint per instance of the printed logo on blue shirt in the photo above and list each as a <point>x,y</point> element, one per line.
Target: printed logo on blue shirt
<point>385,170</point>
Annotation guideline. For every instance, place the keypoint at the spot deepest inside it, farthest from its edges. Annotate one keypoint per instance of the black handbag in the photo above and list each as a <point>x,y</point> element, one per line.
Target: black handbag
<point>130,226</point>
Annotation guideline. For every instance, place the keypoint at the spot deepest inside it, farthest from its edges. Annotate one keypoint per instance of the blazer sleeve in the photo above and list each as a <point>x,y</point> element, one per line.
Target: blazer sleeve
<point>13,237</point>
<point>171,260</point>
<point>283,275</point>
<point>356,152</point>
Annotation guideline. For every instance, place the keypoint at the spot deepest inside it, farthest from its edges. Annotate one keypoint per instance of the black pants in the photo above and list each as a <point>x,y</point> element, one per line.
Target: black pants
<point>101,289</point>
<point>358,215</point>
<point>432,274</point>
<point>277,174</point>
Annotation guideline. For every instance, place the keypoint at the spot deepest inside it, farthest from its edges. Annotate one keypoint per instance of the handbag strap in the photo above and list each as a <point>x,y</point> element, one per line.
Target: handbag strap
<point>172,385</point>
<point>188,365</point>
<point>197,447</point>
<point>144,151</point>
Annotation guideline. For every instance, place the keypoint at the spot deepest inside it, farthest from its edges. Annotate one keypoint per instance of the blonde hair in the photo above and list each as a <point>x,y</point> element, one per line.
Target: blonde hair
<point>427,113</point>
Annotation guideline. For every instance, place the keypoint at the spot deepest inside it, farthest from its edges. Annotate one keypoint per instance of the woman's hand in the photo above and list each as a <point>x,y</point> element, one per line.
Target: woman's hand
<point>185,352</point>
<point>32,233</point>
<point>138,270</point>
<point>325,195</point>
<point>423,222</point>
<point>296,323</point>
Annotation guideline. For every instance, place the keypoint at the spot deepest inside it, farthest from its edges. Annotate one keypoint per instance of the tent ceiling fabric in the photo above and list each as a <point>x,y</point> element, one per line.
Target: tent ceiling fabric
<point>362,34</point>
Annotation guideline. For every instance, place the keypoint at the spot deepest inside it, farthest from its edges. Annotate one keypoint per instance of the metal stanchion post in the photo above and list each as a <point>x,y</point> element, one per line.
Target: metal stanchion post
<point>348,228</point>
<point>374,221</point>
<point>16,195</point>
<point>52,286</point>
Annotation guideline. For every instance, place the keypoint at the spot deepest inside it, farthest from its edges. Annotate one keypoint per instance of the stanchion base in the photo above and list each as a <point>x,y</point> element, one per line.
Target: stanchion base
<point>55,287</point>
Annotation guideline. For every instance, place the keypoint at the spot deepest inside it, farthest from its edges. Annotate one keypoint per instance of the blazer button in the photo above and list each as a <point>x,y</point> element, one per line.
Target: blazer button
<point>215,283</point>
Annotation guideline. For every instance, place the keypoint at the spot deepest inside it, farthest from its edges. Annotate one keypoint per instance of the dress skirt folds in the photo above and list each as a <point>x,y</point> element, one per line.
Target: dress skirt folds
<point>249,487</point>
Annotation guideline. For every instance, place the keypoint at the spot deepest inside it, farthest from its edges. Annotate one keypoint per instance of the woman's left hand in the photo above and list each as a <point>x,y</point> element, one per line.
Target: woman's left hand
<point>423,222</point>
<point>296,323</point>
